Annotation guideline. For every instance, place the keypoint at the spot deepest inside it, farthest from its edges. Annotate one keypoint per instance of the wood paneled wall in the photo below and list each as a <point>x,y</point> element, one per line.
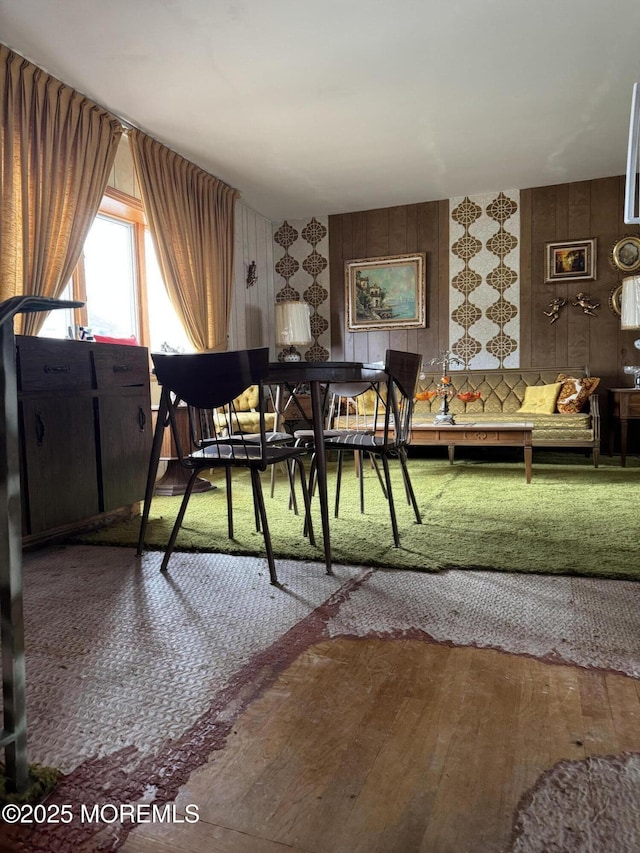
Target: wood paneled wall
<point>391,231</point>
<point>588,209</point>
<point>572,212</point>
<point>252,308</point>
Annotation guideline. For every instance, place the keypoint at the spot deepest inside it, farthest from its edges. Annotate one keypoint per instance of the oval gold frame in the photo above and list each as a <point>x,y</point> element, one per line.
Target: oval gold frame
<point>625,254</point>
<point>615,300</point>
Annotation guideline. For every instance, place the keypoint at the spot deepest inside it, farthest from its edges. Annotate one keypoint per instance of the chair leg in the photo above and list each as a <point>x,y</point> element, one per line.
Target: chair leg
<point>260,507</point>
<point>308,523</point>
<point>338,483</point>
<point>178,522</point>
<point>407,484</point>
<point>227,476</point>
<point>293,504</point>
<point>360,469</point>
<point>392,509</point>
<point>376,467</point>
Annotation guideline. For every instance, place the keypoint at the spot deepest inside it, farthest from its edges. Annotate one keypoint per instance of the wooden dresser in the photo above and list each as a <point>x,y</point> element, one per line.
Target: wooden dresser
<point>85,432</point>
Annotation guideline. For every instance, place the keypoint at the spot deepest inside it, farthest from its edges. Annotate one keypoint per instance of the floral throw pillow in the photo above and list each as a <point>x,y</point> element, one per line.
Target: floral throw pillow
<point>575,392</point>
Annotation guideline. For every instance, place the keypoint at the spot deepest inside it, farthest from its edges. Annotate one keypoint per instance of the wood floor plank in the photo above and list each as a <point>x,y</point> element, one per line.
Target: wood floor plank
<point>403,746</point>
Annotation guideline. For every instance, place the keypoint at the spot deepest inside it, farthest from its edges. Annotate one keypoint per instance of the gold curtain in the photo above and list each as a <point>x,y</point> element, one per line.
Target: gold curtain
<point>57,149</point>
<point>191,219</point>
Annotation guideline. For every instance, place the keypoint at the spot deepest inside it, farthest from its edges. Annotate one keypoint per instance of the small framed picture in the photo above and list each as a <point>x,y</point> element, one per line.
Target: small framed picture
<point>573,260</point>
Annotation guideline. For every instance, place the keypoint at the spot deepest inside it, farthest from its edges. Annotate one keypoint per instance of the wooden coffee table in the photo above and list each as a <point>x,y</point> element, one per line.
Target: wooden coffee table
<point>490,434</point>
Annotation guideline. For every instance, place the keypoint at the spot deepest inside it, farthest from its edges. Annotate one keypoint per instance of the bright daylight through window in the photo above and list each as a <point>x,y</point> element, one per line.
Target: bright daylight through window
<point>119,280</point>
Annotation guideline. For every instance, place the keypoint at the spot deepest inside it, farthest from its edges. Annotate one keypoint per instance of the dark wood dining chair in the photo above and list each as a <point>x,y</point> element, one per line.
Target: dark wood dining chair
<point>390,435</point>
<point>207,382</point>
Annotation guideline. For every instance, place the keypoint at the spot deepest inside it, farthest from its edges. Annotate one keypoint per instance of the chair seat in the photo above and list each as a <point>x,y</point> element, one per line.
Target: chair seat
<point>244,454</point>
<point>271,437</point>
<point>309,435</point>
<point>357,440</point>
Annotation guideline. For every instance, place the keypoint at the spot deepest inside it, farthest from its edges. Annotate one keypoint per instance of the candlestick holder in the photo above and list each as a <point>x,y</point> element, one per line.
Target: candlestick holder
<point>444,388</point>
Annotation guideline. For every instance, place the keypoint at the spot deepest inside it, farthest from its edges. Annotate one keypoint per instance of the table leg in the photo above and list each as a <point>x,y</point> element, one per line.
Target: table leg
<point>528,456</point>
<point>321,468</point>
<point>623,441</point>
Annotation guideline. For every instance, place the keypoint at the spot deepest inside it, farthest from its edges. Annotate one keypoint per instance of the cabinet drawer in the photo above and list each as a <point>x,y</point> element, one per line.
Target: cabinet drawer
<point>634,406</point>
<point>49,365</point>
<point>120,366</point>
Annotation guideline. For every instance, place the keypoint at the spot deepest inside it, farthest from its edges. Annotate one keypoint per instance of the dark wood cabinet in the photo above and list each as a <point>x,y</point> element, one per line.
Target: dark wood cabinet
<point>85,431</point>
<point>624,406</point>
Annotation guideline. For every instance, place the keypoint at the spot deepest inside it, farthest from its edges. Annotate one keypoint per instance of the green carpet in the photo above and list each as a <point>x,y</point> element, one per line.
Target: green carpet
<point>477,514</point>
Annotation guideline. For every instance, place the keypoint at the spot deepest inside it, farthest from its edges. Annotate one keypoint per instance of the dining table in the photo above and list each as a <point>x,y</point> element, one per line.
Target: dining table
<point>317,375</point>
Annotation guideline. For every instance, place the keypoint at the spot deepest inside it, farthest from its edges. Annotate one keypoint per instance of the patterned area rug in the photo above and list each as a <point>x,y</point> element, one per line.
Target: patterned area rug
<point>581,806</point>
<point>135,677</point>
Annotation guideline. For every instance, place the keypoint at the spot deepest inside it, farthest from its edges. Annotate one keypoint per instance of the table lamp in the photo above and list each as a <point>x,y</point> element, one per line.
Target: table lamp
<point>293,328</point>
<point>630,316</point>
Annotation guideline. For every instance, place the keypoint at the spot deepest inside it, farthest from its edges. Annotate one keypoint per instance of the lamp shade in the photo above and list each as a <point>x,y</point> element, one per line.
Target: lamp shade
<point>293,327</point>
<point>630,303</point>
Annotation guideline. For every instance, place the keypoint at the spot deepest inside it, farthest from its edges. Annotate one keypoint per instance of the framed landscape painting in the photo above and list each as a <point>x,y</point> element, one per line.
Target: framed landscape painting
<point>386,293</point>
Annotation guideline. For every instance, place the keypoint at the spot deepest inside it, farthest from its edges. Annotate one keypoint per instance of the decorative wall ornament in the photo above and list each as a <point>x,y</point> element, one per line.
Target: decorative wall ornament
<point>615,300</point>
<point>554,309</point>
<point>252,274</point>
<point>588,307</point>
<point>484,263</point>
<point>571,260</point>
<point>306,276</point>
<point>625,254</point>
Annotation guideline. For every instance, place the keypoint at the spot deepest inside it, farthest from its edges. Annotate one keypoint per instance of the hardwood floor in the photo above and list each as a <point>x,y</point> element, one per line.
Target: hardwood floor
<point>395,746</point>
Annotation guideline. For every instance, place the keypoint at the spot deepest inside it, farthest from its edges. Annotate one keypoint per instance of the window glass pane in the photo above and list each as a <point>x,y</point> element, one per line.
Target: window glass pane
<point>110,278</point>
<point>165,329</point>
<point>56,324</point>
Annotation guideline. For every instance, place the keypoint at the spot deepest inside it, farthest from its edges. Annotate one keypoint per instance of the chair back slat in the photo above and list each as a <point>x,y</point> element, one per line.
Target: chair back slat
<point>403,369</point>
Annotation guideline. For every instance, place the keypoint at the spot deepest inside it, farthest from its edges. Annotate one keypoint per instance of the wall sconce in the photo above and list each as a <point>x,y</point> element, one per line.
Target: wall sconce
<point>252,274</point>
<point>293,328</point>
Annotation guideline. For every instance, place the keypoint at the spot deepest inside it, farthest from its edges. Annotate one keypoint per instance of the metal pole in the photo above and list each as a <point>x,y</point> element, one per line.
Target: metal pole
<point>14,733</point>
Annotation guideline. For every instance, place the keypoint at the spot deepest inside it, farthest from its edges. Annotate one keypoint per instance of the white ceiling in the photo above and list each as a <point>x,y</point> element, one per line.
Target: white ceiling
<point>343,105</point>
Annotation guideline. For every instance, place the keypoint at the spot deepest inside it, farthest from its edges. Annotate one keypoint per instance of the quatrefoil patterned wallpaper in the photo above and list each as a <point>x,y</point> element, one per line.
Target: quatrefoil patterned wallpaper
<point>301,260</point>
<point>484,276</point>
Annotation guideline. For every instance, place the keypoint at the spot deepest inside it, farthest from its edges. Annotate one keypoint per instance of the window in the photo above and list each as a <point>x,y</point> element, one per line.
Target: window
<point>119,280</point>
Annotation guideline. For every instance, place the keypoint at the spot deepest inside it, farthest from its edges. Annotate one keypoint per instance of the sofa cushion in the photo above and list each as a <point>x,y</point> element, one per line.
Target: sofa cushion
<point>567,424</point>
<point>540,399</point>
<point>575,392</point>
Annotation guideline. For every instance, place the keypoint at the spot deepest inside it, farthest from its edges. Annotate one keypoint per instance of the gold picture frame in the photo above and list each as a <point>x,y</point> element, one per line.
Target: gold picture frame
<point>387,292</point>
<point>615,300</point>
<point>625,255</point>
<point>571,260</point>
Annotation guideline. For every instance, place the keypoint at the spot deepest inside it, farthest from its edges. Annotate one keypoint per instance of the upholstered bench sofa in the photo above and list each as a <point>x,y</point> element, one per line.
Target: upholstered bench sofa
<point>504,398</point>
<point>247,417</point>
